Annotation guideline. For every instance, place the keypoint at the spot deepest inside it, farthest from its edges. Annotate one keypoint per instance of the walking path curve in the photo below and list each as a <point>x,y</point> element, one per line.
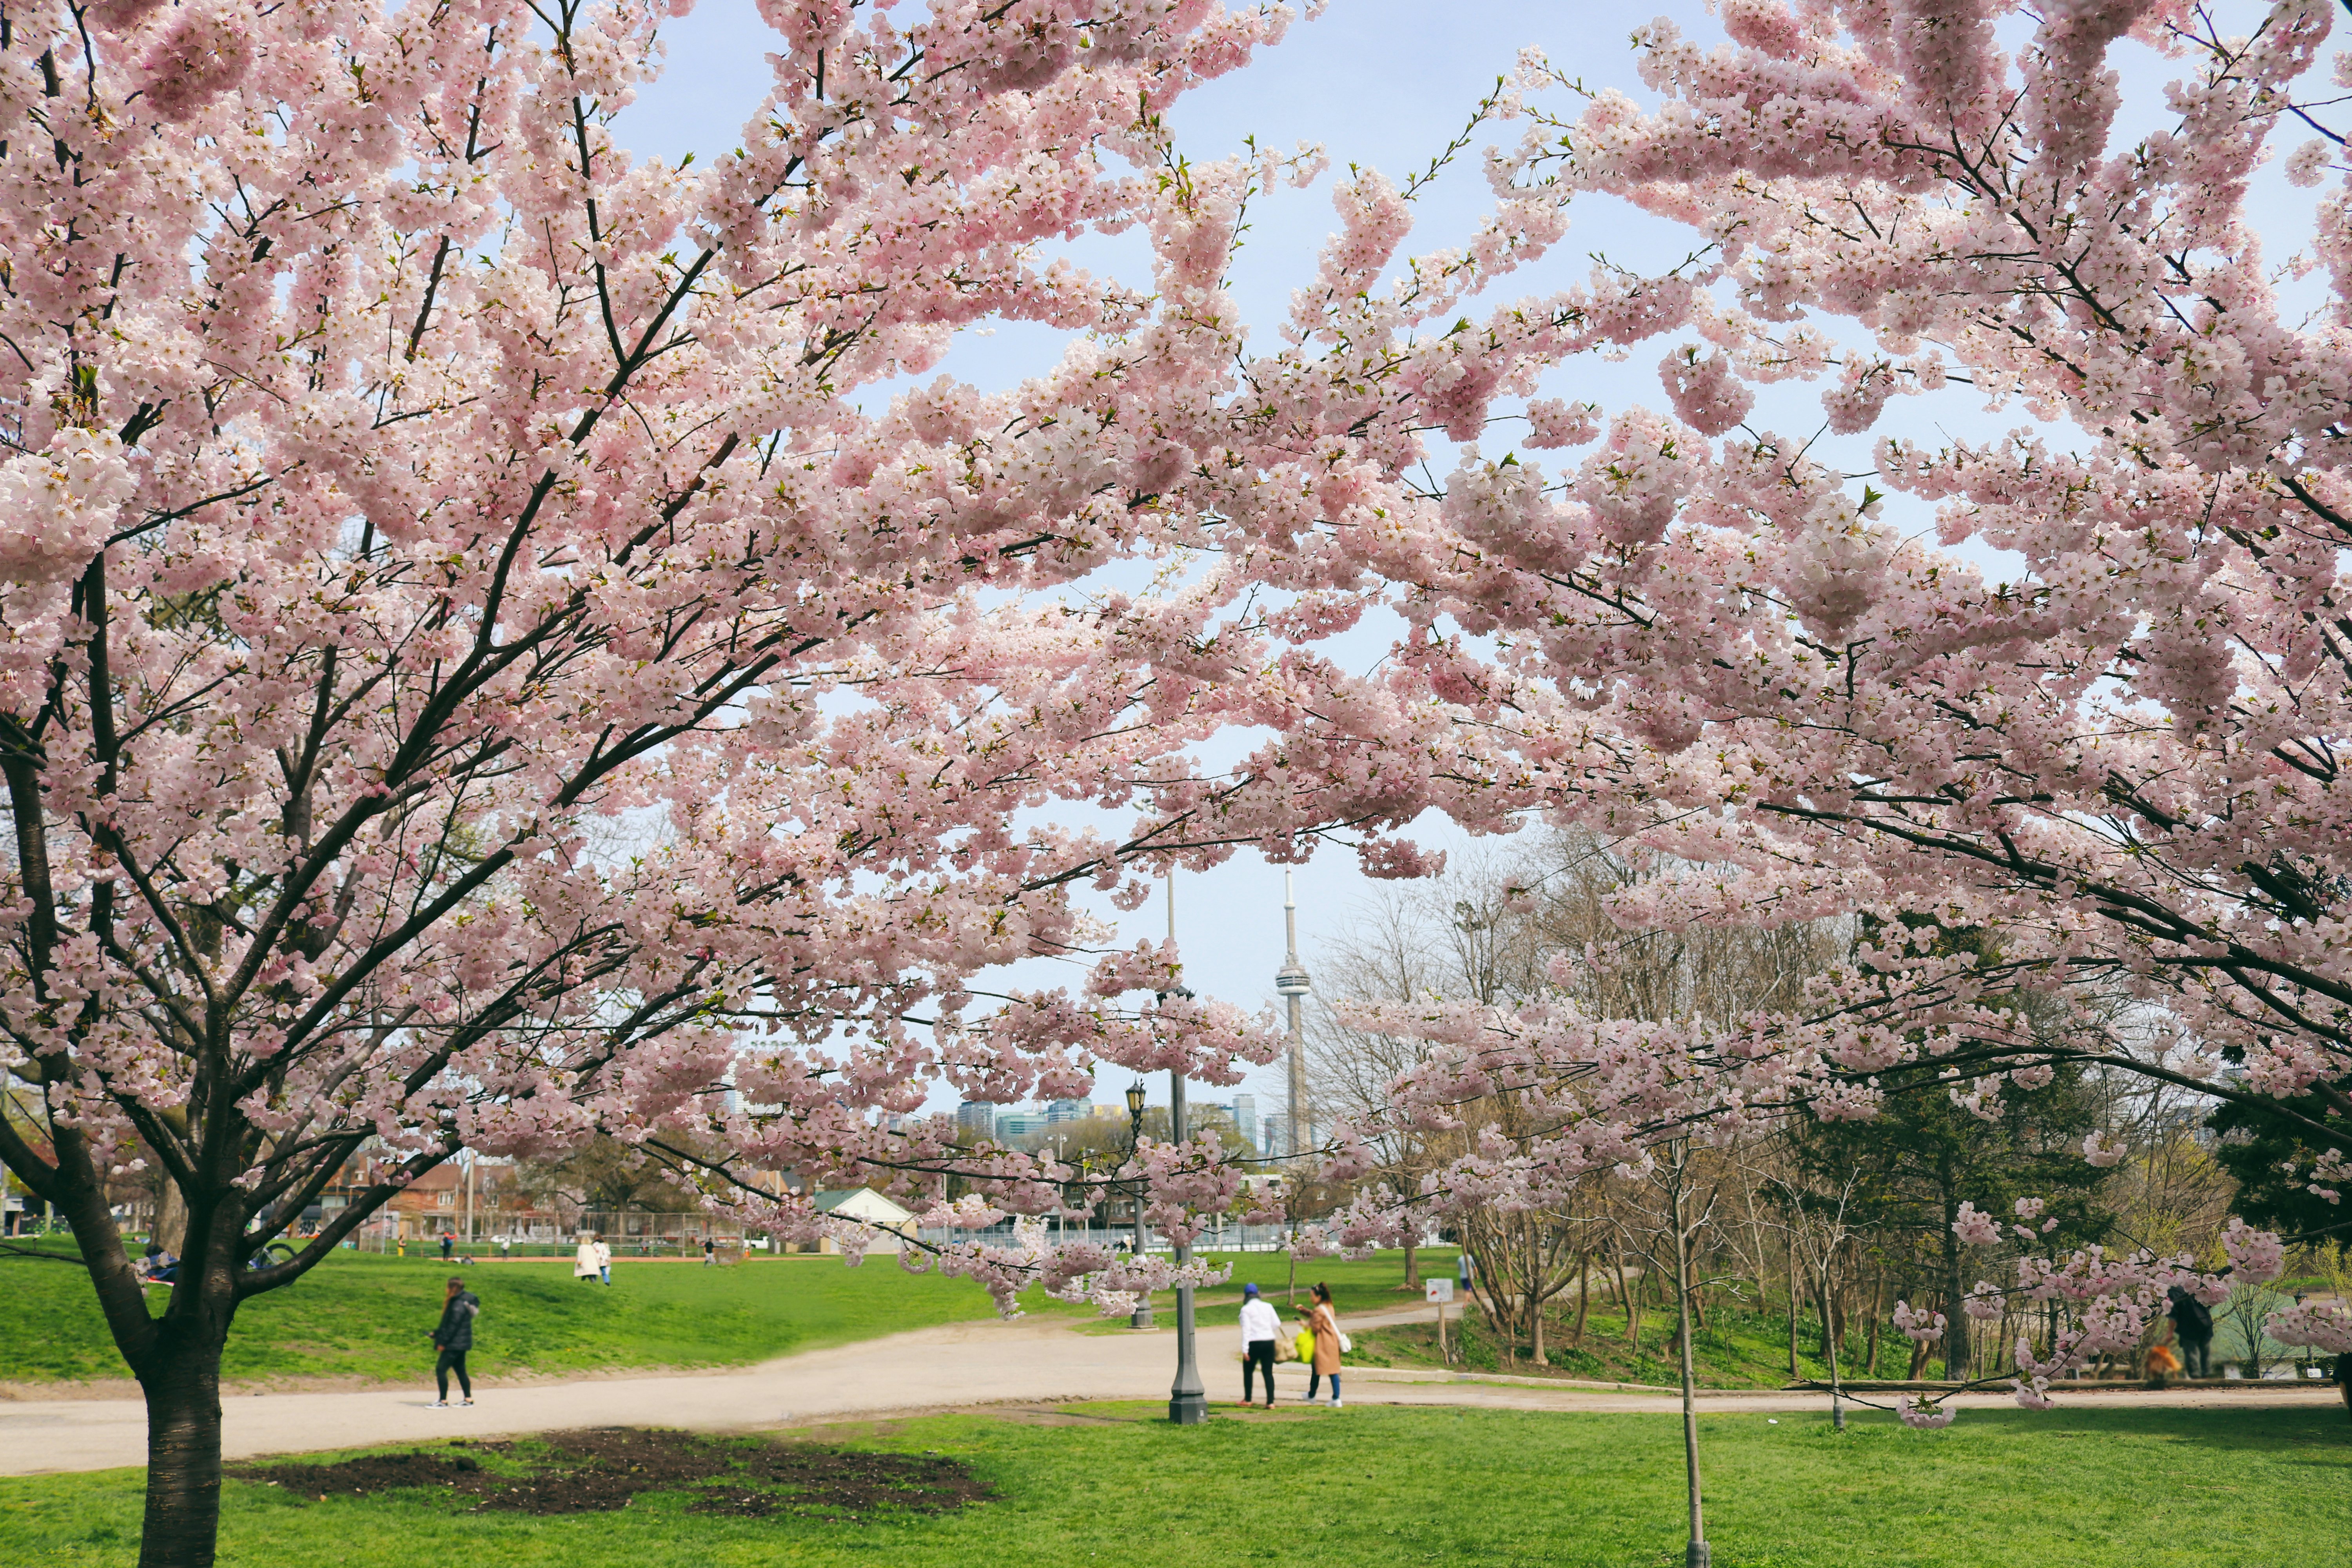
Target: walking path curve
<point>957,1366</point>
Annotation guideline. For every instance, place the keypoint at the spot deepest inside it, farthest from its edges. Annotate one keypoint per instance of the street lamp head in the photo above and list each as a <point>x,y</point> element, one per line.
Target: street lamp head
<point>1135,1099</point>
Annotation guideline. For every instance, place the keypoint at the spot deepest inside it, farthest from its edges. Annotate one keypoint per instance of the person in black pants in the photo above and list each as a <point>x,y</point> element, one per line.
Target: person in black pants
<point>456,1337</point>
<point>1261,1326</point>
<point>2192,1321</point>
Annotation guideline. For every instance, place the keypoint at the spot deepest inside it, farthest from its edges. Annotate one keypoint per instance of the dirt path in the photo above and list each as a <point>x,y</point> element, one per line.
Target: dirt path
<point>957,1366</point>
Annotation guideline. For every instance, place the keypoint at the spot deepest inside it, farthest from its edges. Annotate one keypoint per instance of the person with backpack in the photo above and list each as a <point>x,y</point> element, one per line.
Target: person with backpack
<point>2192,1321</point>
<point>455,1336</point>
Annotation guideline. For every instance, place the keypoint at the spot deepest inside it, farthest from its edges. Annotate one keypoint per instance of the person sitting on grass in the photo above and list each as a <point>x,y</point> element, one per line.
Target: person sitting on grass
<point>454,1335</point>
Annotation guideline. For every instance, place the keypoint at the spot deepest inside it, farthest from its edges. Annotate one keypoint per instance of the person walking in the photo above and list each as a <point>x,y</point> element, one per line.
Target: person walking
<point>2192,1322</point>
<point>1323,1324</point>
<point>449,1242</point>
<point>604,1260</point>
<point>1261,1326</point>
<point>584,1258</point>
<point>710,1252</point>
<point>455,1336</point>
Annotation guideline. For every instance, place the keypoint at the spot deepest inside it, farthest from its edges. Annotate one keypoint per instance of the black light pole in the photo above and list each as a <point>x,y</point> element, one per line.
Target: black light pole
<point>1141,1317</point>
<point>1188,1401</point>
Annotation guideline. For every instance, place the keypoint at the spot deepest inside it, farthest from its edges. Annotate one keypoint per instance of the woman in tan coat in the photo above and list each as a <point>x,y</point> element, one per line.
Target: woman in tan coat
<point>1323,1324</point>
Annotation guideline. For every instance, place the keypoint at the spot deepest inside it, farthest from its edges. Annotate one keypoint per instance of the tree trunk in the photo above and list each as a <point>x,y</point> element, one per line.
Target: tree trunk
<point>1583,1298</point>
<point>1878,1311</point>
<point>170,1232</point>
<point>1536,1348</point>
<point>1793,1371</point>
<point>1412,1267</point>
<point>1633,1308</point>
<point>1956,1321</point>
<point>183,1449</point>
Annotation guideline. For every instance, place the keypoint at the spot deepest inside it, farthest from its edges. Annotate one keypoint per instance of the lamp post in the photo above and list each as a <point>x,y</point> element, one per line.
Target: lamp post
<point>1188,1402</point>
<point>1141,1318</point>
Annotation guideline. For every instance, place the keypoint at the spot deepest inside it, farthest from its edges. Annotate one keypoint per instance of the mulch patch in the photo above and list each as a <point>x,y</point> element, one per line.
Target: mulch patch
<point>600,1470</point>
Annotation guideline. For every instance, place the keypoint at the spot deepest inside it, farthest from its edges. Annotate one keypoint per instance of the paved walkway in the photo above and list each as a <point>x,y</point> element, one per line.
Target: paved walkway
<point>958,1365</point>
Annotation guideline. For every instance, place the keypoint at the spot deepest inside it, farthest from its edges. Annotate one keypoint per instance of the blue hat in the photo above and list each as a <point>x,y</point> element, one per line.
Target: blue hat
<point>1249,1290</point>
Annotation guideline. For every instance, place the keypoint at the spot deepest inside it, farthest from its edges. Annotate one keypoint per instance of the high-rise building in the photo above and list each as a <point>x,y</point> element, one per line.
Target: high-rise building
<point>1246,1119</point>
<point>1277,1134</point>
<point>1061,1111</point>
<point>1014,1124</point>
<point>977,1118</point>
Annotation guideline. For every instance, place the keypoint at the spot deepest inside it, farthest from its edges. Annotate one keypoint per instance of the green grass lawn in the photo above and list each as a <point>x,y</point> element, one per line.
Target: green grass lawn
<point>361,1315</point>
<point>1736,1350</point>
<point>1358,1286</point>
<point>1369,1487</point>
<point>365,1316</point>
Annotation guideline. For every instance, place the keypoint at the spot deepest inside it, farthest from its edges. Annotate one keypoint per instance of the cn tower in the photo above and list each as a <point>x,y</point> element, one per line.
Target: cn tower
<point>1291,982</point>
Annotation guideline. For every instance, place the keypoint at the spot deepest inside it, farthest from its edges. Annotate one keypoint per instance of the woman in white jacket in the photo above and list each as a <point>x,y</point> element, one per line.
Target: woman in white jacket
<point>584,1259</point>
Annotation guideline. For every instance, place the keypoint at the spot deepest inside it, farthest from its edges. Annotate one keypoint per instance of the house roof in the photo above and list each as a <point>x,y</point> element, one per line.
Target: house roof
<point>861,1203</point>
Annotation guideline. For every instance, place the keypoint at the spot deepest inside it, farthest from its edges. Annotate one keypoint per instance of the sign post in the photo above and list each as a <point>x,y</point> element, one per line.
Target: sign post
<point>1440,1291</point>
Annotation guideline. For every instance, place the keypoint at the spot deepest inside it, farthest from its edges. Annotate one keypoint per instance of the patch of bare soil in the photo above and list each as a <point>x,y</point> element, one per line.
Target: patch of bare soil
<point>603,1469</point>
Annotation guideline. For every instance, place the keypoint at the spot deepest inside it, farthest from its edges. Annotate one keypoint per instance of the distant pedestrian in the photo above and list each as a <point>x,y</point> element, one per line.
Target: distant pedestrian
<point>2192,1321</point>
<point>584,1258</point>
<point>604,1260</point>
<point>448,1242</point>
<point>1323,1324</point>
<point>456,1337</point>
<point>710,1252</point>
<point>506,1249</point>
<point>1261,1326</point>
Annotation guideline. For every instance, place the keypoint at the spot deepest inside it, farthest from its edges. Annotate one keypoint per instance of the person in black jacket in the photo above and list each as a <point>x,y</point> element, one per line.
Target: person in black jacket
<point>456,1337</point>
<point>2192,1321</point>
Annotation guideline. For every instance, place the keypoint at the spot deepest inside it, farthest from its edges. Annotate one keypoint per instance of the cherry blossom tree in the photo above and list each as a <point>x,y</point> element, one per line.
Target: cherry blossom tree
<point>2093,724</point>
<point>500,644</point>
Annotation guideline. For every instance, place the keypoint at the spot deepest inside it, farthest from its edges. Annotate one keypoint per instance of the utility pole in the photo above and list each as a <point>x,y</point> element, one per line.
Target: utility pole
<point>1188,1402</point>
<point>469,1201</point>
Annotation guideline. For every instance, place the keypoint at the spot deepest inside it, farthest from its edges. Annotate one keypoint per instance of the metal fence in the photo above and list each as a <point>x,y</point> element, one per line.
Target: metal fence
<point>628,1233</point>
<point>1118,1239</point>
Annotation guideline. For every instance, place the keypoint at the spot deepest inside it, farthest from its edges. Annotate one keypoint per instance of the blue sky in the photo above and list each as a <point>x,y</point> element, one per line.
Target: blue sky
<point>1379,83</point>
<point>1376,83</point>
